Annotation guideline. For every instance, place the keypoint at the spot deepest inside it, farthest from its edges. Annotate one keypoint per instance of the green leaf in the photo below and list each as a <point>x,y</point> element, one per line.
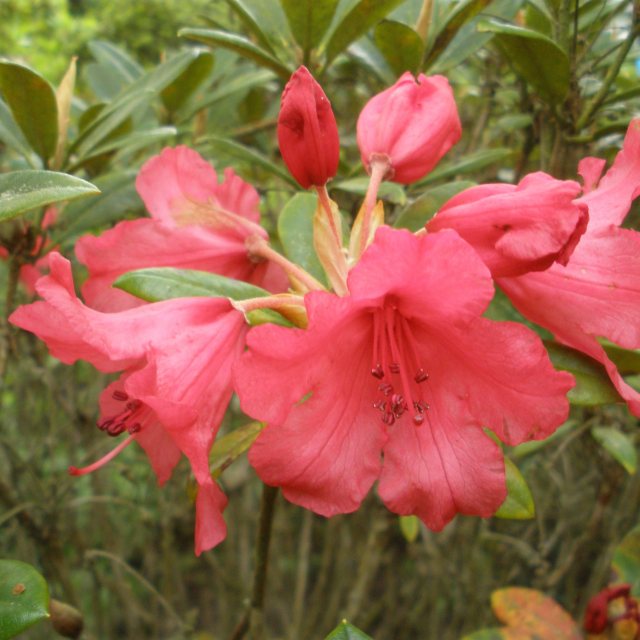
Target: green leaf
<point>134,141</point>
<point>593,386</point>
<point>619,445</point>
<point>22,191</point>
<point>424,208</point>
<point>114,70</point>
<point>494,633</point>
<point>627,361</point>
<point>187,83</point>
<point>461,13</point>
<point>24,598</point>
<point>309,20</point>
<point>239,44</point>
<point>295,229</point>
<point>346,631</point>
<point>247,154</point>
<point>410,527</point>
<point>536,58</point>
<point>13,137</point>
<point>470,163</point>
<point>518,504</point>
<point>626,560</point>
<point>228,448</point>
<point>400,45</point>
<point>364,15</point>
<point>390,191</point>
<point>32,101</point>
<point>164,283</point>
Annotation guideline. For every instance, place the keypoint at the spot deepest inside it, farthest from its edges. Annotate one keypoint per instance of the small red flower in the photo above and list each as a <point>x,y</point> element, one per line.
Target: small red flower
<point>413,124</point>
<point>307,131</point>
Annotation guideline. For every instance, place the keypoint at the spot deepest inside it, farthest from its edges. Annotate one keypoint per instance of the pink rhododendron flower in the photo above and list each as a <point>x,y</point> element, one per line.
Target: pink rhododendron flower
<point>176,357</point>
<point>517,229</point>
<point>307,131</point>
<point>404,365</point>
<point>197,223</point>
<point>412,124</point>
<point>597,293</point>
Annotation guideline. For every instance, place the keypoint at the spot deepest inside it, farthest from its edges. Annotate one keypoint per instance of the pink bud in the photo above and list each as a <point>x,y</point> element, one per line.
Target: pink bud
<point>412,124</point>
<point>307,131</point>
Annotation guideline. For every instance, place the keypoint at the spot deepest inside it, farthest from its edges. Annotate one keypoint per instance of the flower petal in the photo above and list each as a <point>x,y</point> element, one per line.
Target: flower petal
<point>210,525</point>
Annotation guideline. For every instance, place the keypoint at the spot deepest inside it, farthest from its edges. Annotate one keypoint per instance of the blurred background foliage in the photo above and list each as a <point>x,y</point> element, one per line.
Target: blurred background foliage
<point>539,83</point>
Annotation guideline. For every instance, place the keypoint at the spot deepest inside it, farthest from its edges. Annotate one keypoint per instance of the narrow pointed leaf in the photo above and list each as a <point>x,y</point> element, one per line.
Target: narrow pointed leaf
<point>64,96</point>
<point>108,54</point>
<point>618,445</point>
<point>187,83</point>
<point>22,191</point>
<point>232,445</point>
<point>239,44</point>
<point>534,57</point>
<point>470,163</point>
<point>309,20</point>
<point>13,137</point>
<point>626,560</point>
<point>33,104</point>
<point>329,246</point>
<point>346,631</point>
<point>400,45</point>
<point>364,15</point>
<point>24,598</point>
<point>518,504</point>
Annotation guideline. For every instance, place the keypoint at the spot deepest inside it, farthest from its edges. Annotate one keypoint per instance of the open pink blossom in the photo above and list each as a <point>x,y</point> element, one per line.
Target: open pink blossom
<point>411,124</point>
<point>176,357</point>
<point>196,223</point>
<point>404,365</point>
<point>517,229</point>
<point>597,293</point>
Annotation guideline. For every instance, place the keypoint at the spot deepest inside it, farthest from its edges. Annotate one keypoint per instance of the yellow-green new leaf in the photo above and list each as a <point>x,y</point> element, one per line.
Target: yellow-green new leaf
<point>619,445</point>
<point>518,504</point>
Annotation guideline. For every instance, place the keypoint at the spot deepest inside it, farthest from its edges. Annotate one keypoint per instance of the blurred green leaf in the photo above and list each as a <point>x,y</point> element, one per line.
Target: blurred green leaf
<point>410,527</point>
<point>346,631</point>
<point>309,20</point>
<point>113,70</point>
<point>295,229</point>
<point>421,210</point>
<point>136,140</point>
<point>518,504</point>
<point>239,44</point>
<point>22,191</point>
<point>593,386</point>
<point>24,598</point>
<point>232,445</point>
<point>619,445</point>
<point>390,191</point>
<point>187,83</point>
<point>400,45</point>
<point>32,101</point>
<point>364,15</point>
<point>626,560</point>
<point>538,59</point>
<point>486,634</point>
<point>13,137</point>
<point>164,283</point>
<point>467,164</point>
<point>626,360</point>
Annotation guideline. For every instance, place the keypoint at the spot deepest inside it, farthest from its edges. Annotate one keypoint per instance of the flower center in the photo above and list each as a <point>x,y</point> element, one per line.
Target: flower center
<point>129,419</point>
<point>396,365</point>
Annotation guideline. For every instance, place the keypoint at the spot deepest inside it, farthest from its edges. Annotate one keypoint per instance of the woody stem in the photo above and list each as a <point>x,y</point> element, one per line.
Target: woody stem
<point>379,167</point>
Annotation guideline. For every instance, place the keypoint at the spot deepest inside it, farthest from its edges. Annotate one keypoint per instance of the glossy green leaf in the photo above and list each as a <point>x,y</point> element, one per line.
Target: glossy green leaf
<point>536,58</point>
<point>113,70</point>
<point>295,229</point>
<point>32,101</point>
<point>470,163</point>
<point>364,15</point>
<point>627,361</point>
<point>232,445</point>
<point>619,445</point>
<point>164,283</point>
<point>410,527</point>
<point>22,191</point>
<point>400,45</point>
<point>309,20</point>
<point>626,560</point>
<point>390,191</point>
<point>187,83</point>
<point>593,386</point>
<point>425,206</point>
<point>13,137</point>
<point>518,504</point>
<point>346,631</point>
<point>247,154</point>
<point>24,598</point>
<point>239,44</point>
<point>459,15</point>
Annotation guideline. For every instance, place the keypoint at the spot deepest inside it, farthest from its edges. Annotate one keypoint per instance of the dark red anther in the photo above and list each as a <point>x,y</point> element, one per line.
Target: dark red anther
<point>120,396</point>
<point>394,367</point>
<point>381,405</point>
<point>418,419</point>
<point>134,404</point>
<point>421,376</point>
<point>377,371</point>
<point>421,406</point>
<point>388,419</point>
<point>386,388</point>
<point>115,429</point>
<point>135,427</point>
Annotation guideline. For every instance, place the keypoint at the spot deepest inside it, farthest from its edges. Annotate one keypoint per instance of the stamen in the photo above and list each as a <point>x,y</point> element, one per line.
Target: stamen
<point>119,395</point>
<point>388,419</point>
<point>377,371</point>
<point>421,376</point>
<point>75,471</point>
<point>386,388</point>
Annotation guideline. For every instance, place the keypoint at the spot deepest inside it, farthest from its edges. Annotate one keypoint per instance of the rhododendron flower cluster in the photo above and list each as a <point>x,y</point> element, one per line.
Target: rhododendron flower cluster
<point>393,374</point>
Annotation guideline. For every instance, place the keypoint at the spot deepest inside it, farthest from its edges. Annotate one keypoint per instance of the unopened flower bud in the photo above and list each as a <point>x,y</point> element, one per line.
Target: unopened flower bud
<point>412,124</point>
<point>307,131</point>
